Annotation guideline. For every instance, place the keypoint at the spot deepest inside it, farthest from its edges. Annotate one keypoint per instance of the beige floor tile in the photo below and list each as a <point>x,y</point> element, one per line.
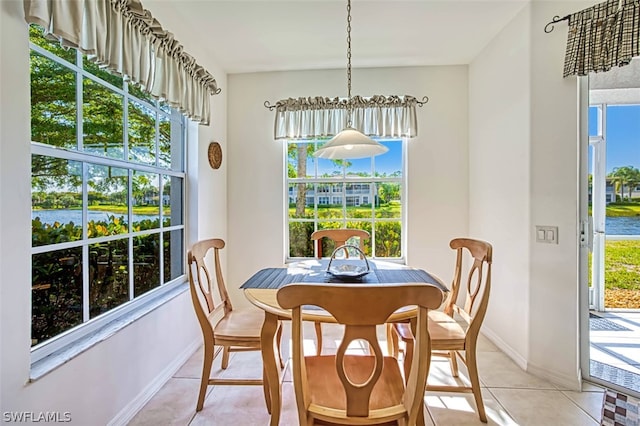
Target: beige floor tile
<point>448,409</point>
<point>533,407</point>
<point>591,387</point>
<point>591,402</point>
<point>497,370</point>
<point>486,345</point>
<point>233,405</point>
<point>193,367</point>
<point>440,373</point>
<point>244,406</point>
<point>174,404</point>
<point>242,365</point>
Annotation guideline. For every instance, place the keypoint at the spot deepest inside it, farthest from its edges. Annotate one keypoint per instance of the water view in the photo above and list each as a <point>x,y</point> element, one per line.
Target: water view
<point>624,225</point>
<point>75,216</point>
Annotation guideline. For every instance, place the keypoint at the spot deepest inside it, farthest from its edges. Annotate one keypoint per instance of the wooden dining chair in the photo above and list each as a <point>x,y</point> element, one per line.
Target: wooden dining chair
<point>455,329</point>
<point>230,329</point>
<point>339,238</point>
<point>357,388</point>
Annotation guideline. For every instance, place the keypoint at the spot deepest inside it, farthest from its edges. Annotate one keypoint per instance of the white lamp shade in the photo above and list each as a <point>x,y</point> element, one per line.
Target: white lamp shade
<point>350,144</point>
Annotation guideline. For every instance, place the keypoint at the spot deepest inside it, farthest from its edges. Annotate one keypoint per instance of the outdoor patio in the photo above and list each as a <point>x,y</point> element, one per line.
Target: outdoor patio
<point>615,347</point>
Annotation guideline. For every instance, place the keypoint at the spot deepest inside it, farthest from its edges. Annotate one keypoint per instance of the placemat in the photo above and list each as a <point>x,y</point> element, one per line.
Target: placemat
<point>274,278</point>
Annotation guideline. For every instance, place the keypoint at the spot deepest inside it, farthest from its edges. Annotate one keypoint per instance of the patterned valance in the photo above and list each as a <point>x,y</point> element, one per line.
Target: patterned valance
<point>603,36</point>
<point>125,38</point>
<point>315,117</point>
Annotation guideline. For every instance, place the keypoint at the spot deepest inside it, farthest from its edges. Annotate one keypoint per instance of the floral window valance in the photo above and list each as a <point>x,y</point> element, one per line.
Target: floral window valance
<point>125,38</point>
<point>317,117</point>
<point>602,36</point>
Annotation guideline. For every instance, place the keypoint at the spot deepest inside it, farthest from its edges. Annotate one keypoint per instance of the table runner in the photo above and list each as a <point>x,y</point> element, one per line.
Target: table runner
<point>274,278</point>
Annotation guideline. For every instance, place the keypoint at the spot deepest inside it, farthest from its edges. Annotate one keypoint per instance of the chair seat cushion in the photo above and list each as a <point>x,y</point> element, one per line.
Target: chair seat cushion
<point>444,331</point>
<point>326,389</point>
<point>447,335</point>
<point>439,316</point>
<point>240,324</point>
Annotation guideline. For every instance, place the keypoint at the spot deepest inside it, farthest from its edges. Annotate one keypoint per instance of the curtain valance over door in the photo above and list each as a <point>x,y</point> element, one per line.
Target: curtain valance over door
<point>125,38</point>
<point>315,117</point>
<point>603,36</point>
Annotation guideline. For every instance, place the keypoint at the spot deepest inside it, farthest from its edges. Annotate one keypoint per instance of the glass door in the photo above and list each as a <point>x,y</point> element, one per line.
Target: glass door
<point>611,173</point>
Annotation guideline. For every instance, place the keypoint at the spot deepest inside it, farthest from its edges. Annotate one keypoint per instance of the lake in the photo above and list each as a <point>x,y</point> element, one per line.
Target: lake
<point>613,225</point>
<point>627,225</point>
<point>75,216</point>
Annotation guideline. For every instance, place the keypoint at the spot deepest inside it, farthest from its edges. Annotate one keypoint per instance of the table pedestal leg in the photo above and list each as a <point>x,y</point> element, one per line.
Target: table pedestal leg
<point>273,392</point>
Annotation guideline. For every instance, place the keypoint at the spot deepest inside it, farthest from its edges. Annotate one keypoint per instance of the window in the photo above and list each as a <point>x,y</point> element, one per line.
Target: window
<point>107,185</point>
<point>365,193</point>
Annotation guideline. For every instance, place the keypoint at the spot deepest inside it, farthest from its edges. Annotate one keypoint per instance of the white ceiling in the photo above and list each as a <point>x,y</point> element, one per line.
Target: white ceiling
<point>275,35</point>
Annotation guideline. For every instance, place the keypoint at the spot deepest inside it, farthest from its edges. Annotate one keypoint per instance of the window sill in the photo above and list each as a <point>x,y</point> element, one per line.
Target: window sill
<point>44,366</point>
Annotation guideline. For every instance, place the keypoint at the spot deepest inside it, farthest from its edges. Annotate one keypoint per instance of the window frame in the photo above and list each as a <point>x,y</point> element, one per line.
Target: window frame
<point>344,181</point>
<point>65,341</point>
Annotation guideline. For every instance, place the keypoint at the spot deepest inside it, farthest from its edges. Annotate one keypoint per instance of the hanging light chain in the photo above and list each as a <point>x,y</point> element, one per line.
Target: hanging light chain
<point>349,63</point>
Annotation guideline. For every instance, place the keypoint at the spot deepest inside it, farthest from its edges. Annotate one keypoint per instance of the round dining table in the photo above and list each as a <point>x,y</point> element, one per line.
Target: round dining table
<point>261,290</point>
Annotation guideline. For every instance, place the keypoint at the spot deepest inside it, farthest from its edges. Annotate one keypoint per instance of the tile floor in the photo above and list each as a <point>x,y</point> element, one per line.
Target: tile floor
<point>511,396</point>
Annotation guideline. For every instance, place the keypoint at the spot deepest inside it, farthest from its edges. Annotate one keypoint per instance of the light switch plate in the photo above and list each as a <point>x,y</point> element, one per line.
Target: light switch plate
<point>547,234</point>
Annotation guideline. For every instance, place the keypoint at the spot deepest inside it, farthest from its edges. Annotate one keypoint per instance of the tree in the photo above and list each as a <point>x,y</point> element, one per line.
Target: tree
<point>625,175</point>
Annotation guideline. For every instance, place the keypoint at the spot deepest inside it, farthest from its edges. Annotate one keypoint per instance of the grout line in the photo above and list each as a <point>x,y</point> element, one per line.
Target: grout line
<point>577,405</point>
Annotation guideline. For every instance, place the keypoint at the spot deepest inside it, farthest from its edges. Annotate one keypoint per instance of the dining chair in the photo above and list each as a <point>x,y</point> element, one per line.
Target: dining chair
<point>362,388</point>
<point>339,237</point>
<point>455,329</point>
<point>230,329</point>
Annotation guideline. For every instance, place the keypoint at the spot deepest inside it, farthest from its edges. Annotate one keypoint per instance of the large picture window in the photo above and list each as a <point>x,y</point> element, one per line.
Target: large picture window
<point>107,185</point>
<point>363,193</point>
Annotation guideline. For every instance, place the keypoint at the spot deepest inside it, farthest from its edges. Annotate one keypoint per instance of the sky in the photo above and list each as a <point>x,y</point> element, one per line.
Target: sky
<point>622,135</point>
<point>388,163</point>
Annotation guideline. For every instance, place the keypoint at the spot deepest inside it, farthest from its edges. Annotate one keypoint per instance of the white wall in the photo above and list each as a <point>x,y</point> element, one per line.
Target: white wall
<point>553,292</point>
<point>437,161</point>
<point>499,139</point>
<point>107,381</point>
<point>524,172</point>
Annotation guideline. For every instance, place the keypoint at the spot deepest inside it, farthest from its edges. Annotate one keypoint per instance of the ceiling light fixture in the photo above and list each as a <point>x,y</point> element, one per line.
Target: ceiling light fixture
<point>350,143</point>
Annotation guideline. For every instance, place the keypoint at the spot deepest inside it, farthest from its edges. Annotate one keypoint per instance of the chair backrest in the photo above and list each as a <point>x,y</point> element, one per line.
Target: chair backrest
<point>339,237</point>
<point>361,308</point>
<point>201,282</point>
<point>477,280</point>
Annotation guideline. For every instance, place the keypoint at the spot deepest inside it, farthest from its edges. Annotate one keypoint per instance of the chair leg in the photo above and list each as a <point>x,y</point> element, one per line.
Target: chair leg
<point>392,341</point>
<point>421,421</point>
<point>279,340</point>
<point>453,362</point>
<point>206,372</point>
<point>225,357</point>
<point>408,358</point>
<point>472,367</point>
<point>266,390</point>
<point>318,326</point>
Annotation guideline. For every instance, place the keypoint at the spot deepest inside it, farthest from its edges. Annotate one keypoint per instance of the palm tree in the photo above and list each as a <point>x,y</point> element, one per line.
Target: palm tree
<point>625,175</point>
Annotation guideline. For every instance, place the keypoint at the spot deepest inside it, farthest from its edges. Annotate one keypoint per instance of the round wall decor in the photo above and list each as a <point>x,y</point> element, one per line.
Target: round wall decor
<point>215,155</point>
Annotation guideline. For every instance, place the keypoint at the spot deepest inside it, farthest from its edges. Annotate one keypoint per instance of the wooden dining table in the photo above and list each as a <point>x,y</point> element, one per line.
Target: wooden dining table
<point>262,287</point>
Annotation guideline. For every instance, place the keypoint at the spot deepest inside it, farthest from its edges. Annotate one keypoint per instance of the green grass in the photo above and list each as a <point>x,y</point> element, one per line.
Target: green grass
<point>622,209</point>
<point>391,210</point>
<point>120,209</point>
<point>622,264</point>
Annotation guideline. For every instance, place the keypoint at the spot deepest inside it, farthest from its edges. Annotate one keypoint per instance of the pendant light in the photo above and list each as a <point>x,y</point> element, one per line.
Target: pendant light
<point>350,143</point>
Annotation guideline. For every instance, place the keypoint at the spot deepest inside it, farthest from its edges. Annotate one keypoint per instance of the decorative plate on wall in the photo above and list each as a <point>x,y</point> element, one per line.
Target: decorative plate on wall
<point>215,155</point>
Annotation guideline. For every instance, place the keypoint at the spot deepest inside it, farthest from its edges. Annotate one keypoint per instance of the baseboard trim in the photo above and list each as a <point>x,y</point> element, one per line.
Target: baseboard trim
<point>565,381</point>
<point>505,348</point>
<point>130,410</point>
